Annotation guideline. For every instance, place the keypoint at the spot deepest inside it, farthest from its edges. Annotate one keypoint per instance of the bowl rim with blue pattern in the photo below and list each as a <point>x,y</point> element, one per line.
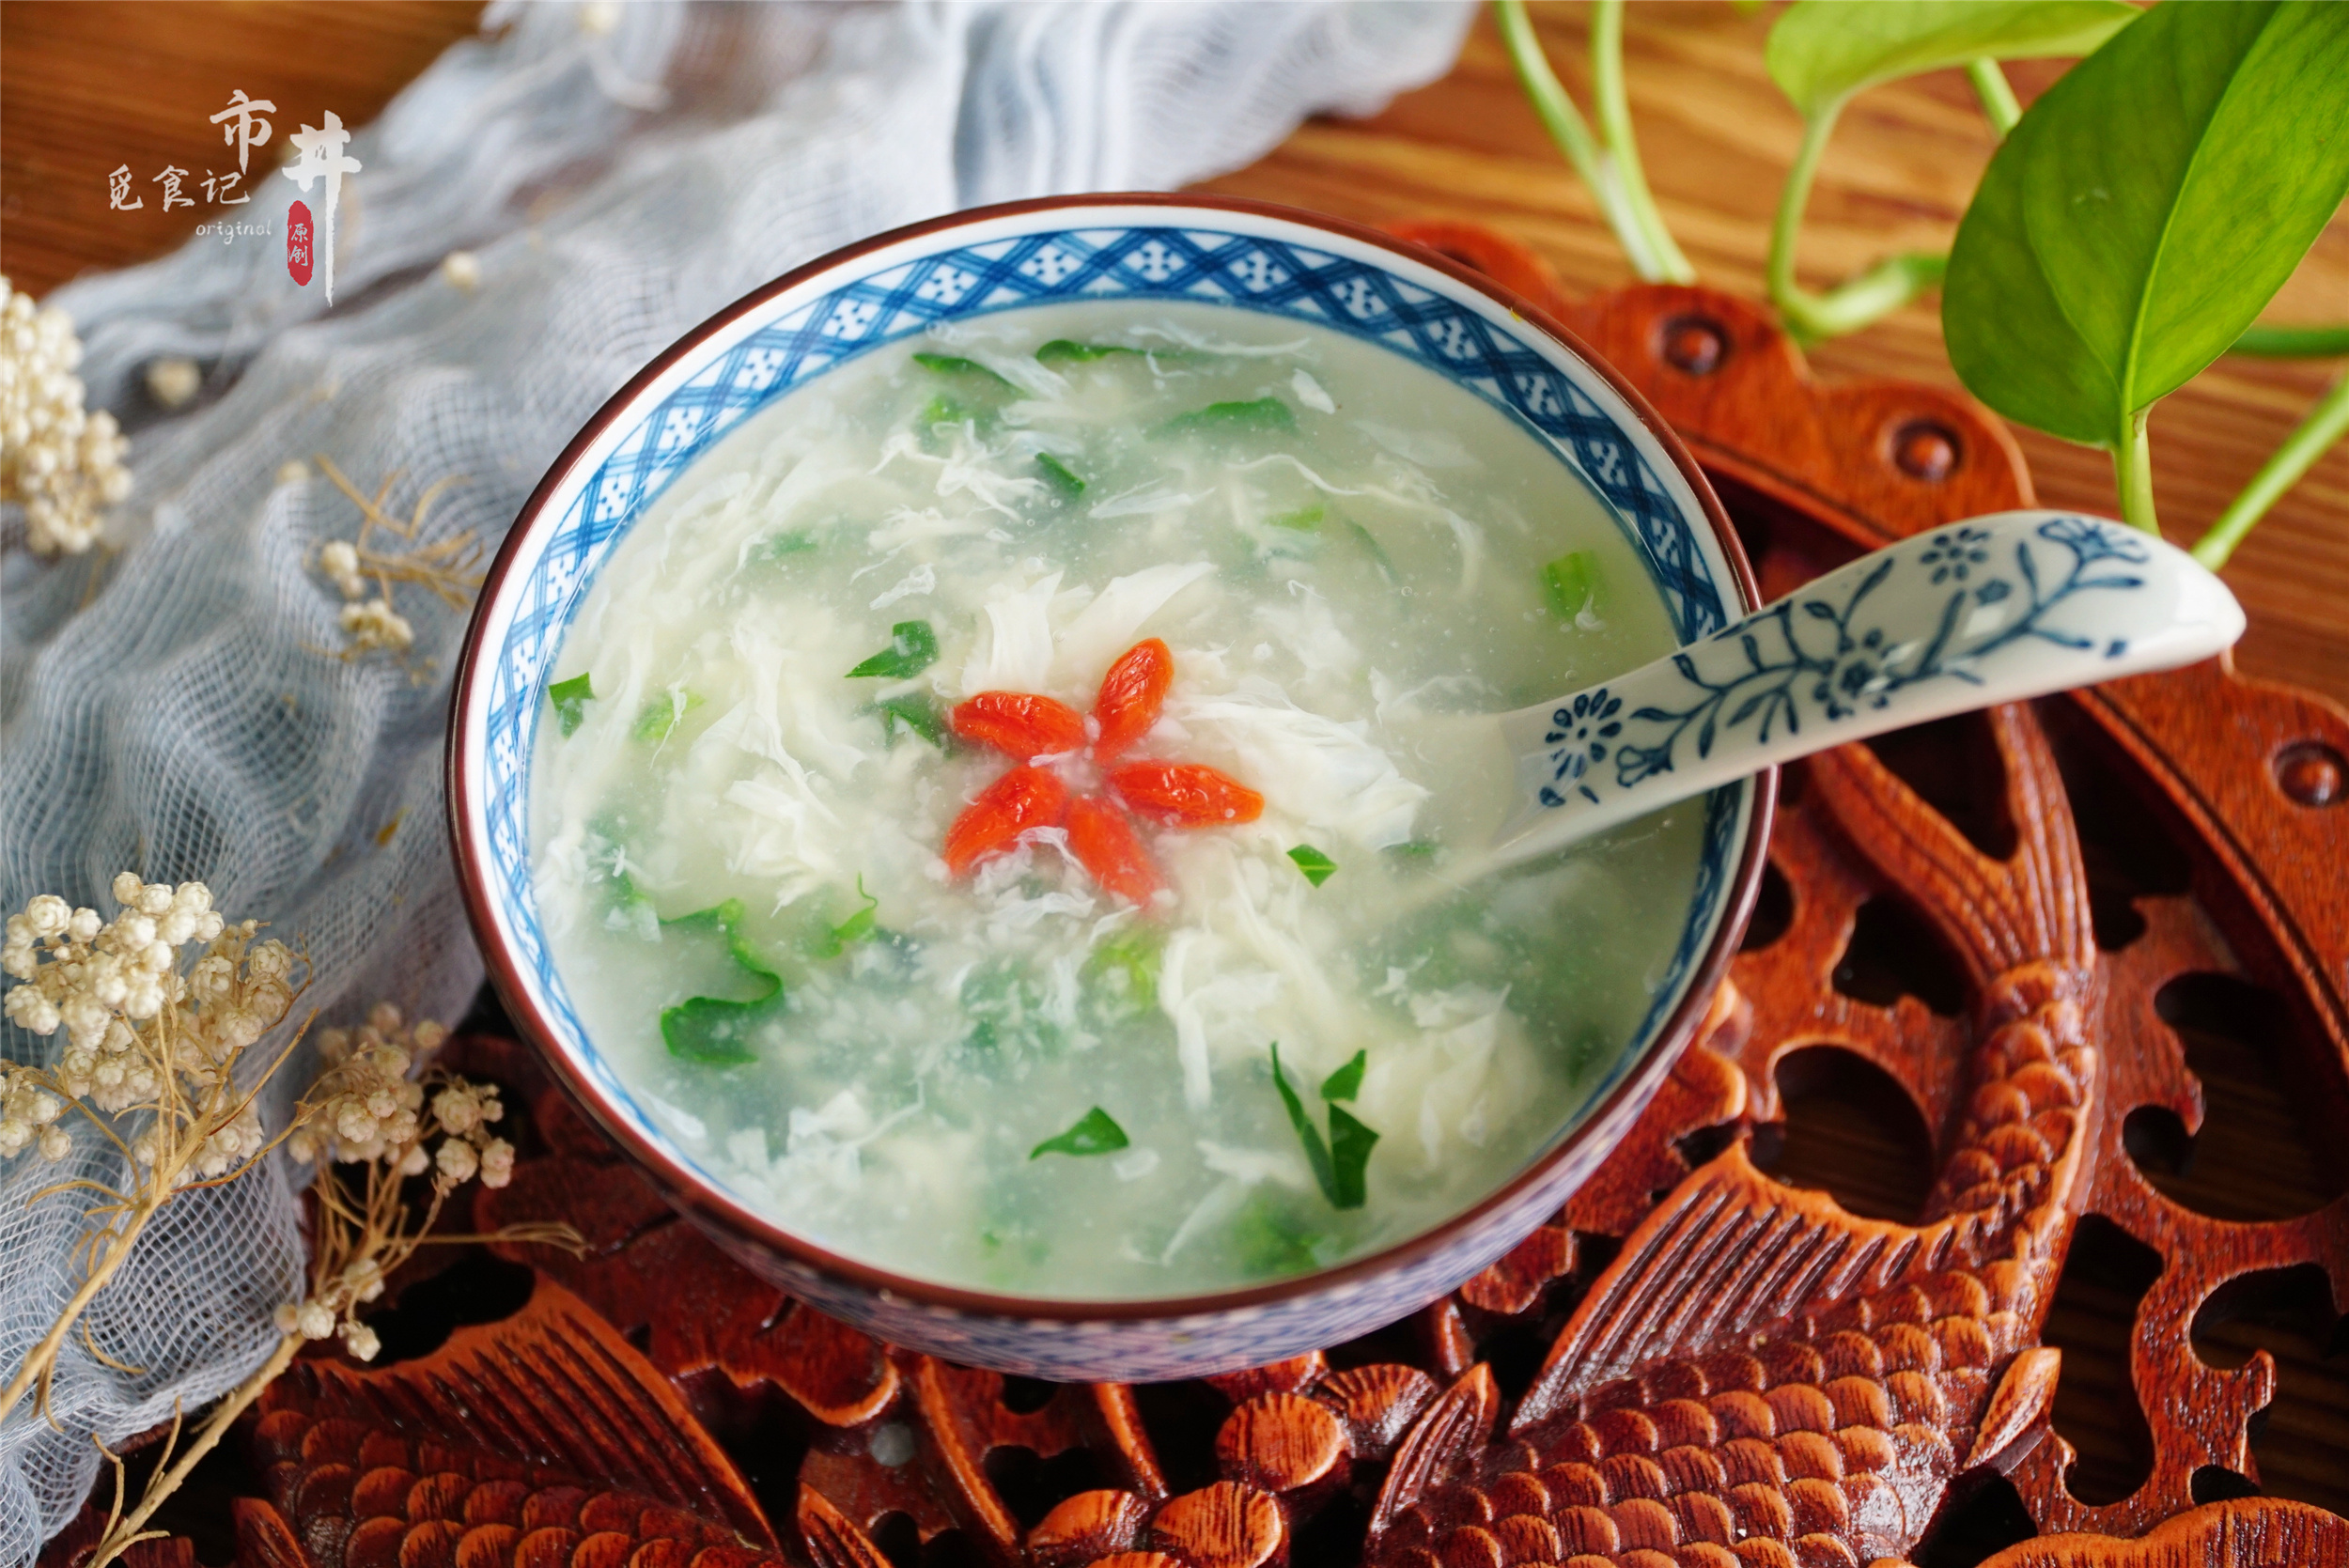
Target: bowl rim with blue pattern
<point>1245,255</point>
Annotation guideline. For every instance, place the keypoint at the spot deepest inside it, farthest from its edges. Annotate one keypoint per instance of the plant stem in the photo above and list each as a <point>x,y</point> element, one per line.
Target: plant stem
<point>1999,103</point>
<point>2325,424</point>
<point>1614,107</point>
<point>2133,473</point>
<point>1600,172</point>
<point>1853,303</point>
<point>1792,304</point>
<point>2293,342</point>
<point>164,1482</point>
<point>44,1356</point>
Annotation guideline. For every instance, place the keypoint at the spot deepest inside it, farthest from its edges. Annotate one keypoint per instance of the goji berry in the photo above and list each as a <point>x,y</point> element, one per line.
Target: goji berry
<point>1020,724</point>
<point>1023,799</point>
<point>1131,695</point>
<point>1102,838</point>
<point>1186,793</point>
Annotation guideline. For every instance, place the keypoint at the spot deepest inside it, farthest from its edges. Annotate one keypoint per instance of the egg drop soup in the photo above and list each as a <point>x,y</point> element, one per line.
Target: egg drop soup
<point>995,811</point>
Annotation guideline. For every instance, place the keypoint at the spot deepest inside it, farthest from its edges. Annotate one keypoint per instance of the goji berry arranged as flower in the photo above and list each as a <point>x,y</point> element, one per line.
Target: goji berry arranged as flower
<point>1036,732</point>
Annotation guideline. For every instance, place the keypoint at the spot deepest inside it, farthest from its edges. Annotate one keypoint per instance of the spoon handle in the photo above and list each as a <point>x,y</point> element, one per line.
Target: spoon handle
<point>1992,610</point>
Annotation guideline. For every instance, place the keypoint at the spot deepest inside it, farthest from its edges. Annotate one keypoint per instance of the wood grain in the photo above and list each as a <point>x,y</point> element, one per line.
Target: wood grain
<point>1716,138</point>
<point>84,87</point>
<point>90,84</point>
<point>89,87</point>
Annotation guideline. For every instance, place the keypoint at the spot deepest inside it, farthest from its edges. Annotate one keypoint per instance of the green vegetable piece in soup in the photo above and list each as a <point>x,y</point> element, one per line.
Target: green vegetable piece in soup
<point>1317,867</point>
<point>914,712</point>
<point>570,698</point>
<point>1272,1238</point>
<point>1062,350</point>
<point>942,410</point>
<point>709,1031</point>
<point>1372,548</point>
<point>1124,972</point>
<point>796,541</point>
<point>950,1037</point>
<point>1262,413</point>
<point>1350,1144</point>
<point>715,1029</point>
<point>859,925</point>
<point>953,364</point>
<point>1057,474</point>
<point>1096,1133</point>
<point>1339,1164</point>
<point>912,649</point>
<point>1347,1082</point>
<point>664,713</point>
<point>1570,584</point>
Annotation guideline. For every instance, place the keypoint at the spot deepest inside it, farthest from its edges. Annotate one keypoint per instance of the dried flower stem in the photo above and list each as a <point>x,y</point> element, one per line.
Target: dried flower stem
<point>125,1530</point>
<point>146,1042</point>
<point>443,567</point>
<point>147,1045</point>
<point>361,1239</point>
<point>377,1103</point>
<point>119,1221</point>
<point>380,1105</point>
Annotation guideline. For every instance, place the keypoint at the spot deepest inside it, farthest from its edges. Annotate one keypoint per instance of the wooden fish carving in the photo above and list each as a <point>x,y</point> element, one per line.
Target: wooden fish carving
<point>544,1441</point>
<point>1761,1380</point>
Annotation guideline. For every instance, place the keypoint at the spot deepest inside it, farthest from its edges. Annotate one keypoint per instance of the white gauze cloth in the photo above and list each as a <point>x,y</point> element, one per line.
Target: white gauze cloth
<point>176,709</point>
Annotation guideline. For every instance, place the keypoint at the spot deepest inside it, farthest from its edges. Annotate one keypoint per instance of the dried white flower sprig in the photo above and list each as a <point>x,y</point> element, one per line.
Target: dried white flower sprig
<point>64,465</point>
<point>382,1106</point>
<point>379,1103</point>
<point>445,567</point>
<point>150,1061</point>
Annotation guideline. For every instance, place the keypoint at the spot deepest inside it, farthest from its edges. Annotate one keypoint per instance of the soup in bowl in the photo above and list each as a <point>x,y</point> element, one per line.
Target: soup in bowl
<point>951,768</point>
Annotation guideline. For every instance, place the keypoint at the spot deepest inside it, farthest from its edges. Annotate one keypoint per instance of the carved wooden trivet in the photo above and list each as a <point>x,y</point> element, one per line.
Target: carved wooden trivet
<point>1754,1376</point>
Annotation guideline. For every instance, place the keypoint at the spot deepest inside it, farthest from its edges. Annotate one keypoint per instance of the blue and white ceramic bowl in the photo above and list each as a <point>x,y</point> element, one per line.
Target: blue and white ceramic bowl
<point>1242,255</point>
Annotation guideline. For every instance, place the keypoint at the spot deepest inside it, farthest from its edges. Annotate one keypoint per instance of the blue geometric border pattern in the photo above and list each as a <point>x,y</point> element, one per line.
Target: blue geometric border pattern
<point>904,298</point>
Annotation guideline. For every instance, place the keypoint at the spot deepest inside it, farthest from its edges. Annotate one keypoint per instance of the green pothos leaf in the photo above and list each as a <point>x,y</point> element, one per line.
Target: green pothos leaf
<point>1821,52</point>
<point>2142,213</point>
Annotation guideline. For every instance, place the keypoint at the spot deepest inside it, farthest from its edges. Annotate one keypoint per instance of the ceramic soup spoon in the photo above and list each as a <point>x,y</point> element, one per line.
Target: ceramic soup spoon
<point>1992,610</point>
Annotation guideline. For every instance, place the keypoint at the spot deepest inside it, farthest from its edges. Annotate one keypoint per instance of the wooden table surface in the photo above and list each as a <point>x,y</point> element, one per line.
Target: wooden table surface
<point>87,86</point>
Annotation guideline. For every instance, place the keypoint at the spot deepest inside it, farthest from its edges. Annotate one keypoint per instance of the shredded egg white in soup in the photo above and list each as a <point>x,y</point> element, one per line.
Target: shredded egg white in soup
<point>995,811</point>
